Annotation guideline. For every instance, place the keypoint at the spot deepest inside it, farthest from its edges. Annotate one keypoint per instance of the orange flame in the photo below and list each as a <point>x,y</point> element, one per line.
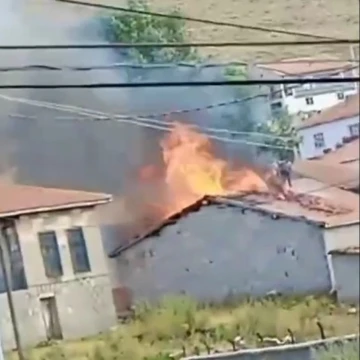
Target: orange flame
<point>192,170</point>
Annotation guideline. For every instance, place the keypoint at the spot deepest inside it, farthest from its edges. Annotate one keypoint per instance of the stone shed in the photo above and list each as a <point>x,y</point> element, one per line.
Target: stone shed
<point>248,245</point>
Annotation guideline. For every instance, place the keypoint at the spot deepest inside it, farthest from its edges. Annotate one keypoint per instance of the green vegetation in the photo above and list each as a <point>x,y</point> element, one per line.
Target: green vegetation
<point>180,323</point>
<point>133,28</point>
<point>285,134</point>
<point>347,352</point>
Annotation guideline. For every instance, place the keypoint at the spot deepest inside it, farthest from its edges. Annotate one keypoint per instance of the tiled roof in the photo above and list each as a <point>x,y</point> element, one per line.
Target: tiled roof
<point>331,173</point>
<point>345,109</point>
<point>19,199</point>
<point>303,66</point>
<point>324,207</point>
<point>347,153</point>
<point>353,250</point>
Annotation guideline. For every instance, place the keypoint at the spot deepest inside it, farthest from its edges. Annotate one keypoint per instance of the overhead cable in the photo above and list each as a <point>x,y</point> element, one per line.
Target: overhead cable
<point>180,45</point>
<point>192,19</point>
<point>44,67</point>
<point>101,116</point>
<point>158,84</point>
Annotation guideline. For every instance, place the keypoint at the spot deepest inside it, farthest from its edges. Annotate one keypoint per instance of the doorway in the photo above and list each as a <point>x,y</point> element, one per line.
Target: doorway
<point>50,317</point>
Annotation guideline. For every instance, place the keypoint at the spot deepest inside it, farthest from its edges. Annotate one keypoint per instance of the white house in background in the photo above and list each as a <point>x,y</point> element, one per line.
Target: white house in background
<point>327,130</point>
<point>306,98</point>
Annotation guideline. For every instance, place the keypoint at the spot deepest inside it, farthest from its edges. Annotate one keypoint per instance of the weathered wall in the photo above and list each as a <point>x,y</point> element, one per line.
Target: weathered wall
<point>224,250</point>
<point>88,295</point>
<point>84,307</point>
<point>346,275</point>
<point>338,238</point>
<point>304,351</point>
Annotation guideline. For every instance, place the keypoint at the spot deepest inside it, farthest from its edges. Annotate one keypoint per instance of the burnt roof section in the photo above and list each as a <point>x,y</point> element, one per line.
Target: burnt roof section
<point>16,200</point>
<point>301,207</point>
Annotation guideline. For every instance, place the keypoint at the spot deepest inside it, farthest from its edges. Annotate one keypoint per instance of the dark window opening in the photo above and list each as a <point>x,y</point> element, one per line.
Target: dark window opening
<point>78,250</point>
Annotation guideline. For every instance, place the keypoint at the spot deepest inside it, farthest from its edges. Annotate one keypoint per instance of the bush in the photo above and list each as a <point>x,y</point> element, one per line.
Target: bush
<point>134,28</point>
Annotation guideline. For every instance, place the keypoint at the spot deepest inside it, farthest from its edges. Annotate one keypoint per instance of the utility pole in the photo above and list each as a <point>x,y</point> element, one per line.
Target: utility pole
<point>6,269</point>
<point>355,70</point>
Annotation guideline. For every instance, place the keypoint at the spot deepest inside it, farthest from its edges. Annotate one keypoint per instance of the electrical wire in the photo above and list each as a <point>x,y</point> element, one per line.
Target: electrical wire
<point>180,45</point>
<point>43,67</point>
<point>101,116</point>
<point>158,84</point>
<point>192,19</point>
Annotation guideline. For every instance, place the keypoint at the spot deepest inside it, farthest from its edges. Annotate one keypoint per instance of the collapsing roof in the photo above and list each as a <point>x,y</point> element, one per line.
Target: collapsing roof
<point>16,200</point>
<point>321,211</point>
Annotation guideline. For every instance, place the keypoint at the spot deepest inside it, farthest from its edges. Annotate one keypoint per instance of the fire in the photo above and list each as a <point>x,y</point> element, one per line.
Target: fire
<point>192,170</point>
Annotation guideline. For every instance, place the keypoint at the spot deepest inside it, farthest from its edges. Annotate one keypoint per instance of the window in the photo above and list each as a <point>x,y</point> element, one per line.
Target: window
<point>78,250</point>
<point>18,278</point>
<point>340,96</point>
<point>50,254</point>
<point>319,141</point>
<point>354,129</point>
<point>309,101</point>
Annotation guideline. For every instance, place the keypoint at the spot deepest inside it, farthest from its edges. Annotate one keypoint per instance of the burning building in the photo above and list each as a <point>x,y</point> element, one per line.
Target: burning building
<point>224,231</point>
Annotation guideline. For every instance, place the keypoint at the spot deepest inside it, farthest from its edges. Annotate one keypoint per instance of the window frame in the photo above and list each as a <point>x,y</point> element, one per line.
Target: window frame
<point>319,139</point>
<point>354,126</point>
<point>342,97</point>
<point>52,270</point>
<point>311,100</point>
<point>74,244</point>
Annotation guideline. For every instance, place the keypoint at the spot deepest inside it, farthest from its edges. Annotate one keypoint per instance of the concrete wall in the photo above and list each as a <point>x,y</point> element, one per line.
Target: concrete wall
<point>310,350</point>
<point>346,275</point>
<point>85,307</point>
<point>220,250</point>
<point>333,134</point>
<point>337,238</point>
<point>84,301</point>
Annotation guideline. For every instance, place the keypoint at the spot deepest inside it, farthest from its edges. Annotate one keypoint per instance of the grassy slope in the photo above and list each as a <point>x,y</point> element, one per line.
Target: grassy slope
<point>325,17</point>
<point>163,328</point>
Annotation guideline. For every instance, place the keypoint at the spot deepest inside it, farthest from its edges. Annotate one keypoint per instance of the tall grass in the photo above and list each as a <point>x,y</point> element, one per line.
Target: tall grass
<point>182,325</point>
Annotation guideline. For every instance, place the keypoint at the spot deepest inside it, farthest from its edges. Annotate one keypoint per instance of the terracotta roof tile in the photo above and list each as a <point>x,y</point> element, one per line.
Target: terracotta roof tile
<point>312,201</point>
<point>328,172</point>
<point>348,152</point>
<point>343,110</point>
<point>303,66</point>
<point>20,199</point>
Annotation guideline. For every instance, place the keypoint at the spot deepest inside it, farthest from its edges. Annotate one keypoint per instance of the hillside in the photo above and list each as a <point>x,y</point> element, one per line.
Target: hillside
<point>325,17</point>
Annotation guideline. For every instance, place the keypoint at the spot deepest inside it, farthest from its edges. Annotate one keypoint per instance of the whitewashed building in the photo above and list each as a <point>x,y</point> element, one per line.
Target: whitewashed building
<point>327,130</point>
<point>306,98</point>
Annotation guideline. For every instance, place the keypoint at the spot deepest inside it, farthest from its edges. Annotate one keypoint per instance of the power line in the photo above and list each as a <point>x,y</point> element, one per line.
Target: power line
<point>44,67</point>
<point>169,129</point>
<point>181,45</point>
<point>101,116</point>
<point>151,122</point>
<point>158,84</point>
<point>192,19</point>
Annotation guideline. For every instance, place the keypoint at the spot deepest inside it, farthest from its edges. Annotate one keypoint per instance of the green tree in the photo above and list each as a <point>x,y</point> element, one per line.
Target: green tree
<point>285,135</point>
<point>134,28</point>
